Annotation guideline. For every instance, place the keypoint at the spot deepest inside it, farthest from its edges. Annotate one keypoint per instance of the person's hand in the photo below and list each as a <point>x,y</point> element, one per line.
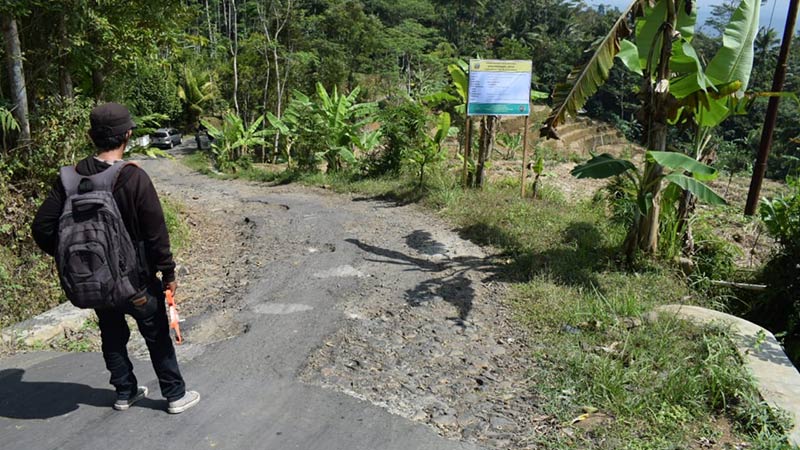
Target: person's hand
<point>171,286</point>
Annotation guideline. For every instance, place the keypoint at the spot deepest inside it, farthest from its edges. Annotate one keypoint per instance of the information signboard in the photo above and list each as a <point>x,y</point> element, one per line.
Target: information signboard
<point>499,87</point>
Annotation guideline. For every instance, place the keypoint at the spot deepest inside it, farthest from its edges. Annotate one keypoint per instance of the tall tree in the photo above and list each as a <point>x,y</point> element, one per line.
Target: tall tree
<point>273,22</point>
<point>16,76</point>
<point>233,47</point>
<point>64,75</point>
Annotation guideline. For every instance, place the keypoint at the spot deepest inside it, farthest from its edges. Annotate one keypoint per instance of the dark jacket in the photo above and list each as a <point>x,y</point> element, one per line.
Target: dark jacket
<point>138,205</point>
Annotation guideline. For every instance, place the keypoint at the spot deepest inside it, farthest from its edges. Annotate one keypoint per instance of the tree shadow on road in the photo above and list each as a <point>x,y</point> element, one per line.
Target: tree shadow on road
<point>449,278</point>
<point>577,257</point>
<point>29,400</point>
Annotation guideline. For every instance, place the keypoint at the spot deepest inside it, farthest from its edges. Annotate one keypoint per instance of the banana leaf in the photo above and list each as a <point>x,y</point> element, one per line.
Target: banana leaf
<point>277,123</point>
<point>687,18</point>
<point>602,166</point>
<point>734,61</point>
<point>347,155</point>
<point>686,62</point>
<point>538,168</point>
<point>438,98</point>
<point>460,80</point>
<point>442,129</point>
<point>647,30</point>
<point>714,113</point>
<point>629,55</point>
<point>696,187</point>
<point>584,80</point>
<point>680,161</point>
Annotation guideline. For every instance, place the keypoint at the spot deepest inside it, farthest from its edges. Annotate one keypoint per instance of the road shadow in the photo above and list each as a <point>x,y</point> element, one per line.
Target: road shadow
<point>448,280</point>
<point>395,198</point>
<point>29,400</point>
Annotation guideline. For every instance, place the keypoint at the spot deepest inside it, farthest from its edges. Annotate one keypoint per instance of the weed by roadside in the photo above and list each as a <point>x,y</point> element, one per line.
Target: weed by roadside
<point>28,281</point>
<point>176,224</point>
<point>84,339</point>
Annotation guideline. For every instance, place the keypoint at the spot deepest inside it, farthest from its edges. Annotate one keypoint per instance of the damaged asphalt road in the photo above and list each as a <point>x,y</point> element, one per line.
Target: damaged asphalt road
<point>302,272</point>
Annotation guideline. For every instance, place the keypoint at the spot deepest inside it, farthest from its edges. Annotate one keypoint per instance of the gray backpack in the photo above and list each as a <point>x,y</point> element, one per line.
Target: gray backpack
<point>96,260</point>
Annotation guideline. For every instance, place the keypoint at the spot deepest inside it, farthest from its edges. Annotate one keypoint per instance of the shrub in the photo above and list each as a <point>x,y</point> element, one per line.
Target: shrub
<point>59,139</point>
<point>714,255</point>
<point>28,284</point>
<point>620,197</point>
<point>430,154</point>
<point>778,308</point>
<point>403,126</point>
<point>781,216</point>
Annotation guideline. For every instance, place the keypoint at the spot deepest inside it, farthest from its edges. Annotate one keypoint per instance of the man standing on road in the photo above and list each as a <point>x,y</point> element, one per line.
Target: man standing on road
<point>141,213</point>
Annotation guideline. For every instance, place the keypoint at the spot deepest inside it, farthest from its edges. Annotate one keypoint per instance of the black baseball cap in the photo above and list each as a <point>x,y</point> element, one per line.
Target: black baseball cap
<point>110,119</point>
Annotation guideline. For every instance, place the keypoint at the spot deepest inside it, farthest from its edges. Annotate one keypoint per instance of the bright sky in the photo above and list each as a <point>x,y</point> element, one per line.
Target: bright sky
<point>773,12</point>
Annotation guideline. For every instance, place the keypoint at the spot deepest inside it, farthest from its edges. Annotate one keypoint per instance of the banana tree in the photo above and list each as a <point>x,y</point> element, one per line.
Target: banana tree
<point>339,123</point>
<point>293,126</point>
<point>673,83</point>
<point>511,142</point>
<point>538,170</point>
<point>460,84</point>
<point>674,167</point>
<point>234,140</point>
<point>288,129</point>
<point>432,152</point>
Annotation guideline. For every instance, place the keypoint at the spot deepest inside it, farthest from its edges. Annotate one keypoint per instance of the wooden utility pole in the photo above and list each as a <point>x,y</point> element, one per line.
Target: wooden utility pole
<point>772,113</point>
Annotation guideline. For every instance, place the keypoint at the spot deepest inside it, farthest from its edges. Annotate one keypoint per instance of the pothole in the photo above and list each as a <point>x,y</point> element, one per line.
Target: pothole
<point>340,272</point>
<point>281,308</point>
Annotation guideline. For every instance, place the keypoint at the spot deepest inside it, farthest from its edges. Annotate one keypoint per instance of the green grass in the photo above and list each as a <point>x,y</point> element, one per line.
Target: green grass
<point>664,382</point>
<point>197,161</point>
<point>176,226</point>
<point>28,283</point>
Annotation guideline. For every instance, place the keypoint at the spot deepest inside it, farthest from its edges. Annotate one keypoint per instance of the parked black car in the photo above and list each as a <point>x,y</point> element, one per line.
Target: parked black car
<point>166,138</point>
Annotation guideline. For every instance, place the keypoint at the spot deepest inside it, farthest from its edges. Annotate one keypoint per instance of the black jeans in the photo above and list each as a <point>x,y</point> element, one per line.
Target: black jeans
<point>151,317</point>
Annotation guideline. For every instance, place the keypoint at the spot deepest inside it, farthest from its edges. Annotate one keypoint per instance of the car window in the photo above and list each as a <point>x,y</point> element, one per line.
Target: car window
<point>160,134</point>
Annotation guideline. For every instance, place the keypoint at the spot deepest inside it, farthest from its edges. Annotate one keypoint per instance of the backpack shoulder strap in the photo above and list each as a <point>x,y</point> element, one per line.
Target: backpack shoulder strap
<point>70,179</point>
<point>105,180</point>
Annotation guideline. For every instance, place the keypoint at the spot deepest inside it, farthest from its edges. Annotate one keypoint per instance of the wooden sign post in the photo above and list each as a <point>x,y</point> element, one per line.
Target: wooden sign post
<point>498,88</point>
<point>524,157</point>
<point>467,150</point>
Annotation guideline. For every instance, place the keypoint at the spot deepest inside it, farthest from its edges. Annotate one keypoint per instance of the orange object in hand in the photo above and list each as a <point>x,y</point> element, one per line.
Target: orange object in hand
<point>172,313</point>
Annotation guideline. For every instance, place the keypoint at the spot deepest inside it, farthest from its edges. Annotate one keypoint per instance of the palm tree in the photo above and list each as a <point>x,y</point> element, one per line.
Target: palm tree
<point>766,42</point>
<point>195,92</point>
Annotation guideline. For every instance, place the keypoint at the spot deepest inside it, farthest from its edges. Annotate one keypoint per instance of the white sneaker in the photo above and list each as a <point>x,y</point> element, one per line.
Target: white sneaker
<point>122,405</point>
<point>189,399</point>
